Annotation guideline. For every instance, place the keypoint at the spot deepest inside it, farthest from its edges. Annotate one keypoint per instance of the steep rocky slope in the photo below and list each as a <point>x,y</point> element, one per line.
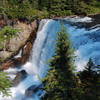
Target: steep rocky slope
<point>20,45</point>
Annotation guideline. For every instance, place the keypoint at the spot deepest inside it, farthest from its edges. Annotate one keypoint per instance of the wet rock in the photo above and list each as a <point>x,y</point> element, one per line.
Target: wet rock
<point>29,92</point>
<point>33,89</point>
<point>17,62</point>
<point>7,65</point>
<point>26,52</point>
<point>95,22</point>
<point>19,77</point>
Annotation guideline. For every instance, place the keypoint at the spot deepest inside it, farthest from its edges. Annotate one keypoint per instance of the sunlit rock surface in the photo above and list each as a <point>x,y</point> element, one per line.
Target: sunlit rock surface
<point>14,45</point>
<point>20,45</point>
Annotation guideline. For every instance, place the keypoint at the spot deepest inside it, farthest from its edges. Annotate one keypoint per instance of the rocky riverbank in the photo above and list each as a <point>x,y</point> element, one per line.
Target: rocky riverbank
<point>95,21</point>
<point>21,44</point>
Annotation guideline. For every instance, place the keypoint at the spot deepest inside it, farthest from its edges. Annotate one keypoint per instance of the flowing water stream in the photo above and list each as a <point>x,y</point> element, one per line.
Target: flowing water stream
<point>86,43</point>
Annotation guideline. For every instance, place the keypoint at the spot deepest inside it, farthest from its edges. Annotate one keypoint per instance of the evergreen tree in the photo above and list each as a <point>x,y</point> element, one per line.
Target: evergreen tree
<point>59,83</point>
<point>5,84</point>
<point>90,82</point>
<point>26,8</point>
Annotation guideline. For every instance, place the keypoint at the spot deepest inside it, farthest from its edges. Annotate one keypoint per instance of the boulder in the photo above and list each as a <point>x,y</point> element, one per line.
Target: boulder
<point>33,89</point>
<point>19,77</point>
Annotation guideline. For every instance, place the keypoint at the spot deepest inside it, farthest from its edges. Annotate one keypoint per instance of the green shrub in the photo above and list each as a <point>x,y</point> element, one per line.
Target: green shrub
<point>6,34</point>
<point>68,12</point>
<point>79,9</point>
<point>93,9</point>
<point>97,4</point>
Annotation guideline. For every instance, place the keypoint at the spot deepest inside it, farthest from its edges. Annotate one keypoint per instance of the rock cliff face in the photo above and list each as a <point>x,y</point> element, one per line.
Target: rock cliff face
<point>23,42</point>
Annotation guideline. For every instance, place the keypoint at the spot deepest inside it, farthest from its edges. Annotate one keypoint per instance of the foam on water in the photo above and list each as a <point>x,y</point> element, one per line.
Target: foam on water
<point>12,72</point>
<point>31,67</point>
<point>79,19</point>
<point>43,49</point>
<point>19,54</point>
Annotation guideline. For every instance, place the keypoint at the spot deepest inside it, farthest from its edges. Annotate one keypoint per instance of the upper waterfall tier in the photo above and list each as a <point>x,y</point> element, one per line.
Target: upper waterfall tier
<point>86,43</point>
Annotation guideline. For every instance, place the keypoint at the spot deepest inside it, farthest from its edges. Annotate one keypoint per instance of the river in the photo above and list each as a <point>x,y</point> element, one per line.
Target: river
<point>86,43</point>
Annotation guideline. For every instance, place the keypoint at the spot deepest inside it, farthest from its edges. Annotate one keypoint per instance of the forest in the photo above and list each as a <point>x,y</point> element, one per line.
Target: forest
<point>62,82</point>
<point>32,9</point>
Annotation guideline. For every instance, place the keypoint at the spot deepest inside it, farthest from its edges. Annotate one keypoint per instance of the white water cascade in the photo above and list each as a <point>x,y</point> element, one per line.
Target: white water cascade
<point>86,44</point>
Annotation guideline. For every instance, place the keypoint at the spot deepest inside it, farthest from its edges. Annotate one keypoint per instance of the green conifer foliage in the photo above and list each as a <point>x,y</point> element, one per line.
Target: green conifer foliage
<point>90,82</point>
<point>5,84</point>
<point>59,83</point>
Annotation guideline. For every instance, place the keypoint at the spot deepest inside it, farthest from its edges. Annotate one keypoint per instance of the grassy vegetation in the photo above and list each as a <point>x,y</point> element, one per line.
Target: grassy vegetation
<point>33,9</point>
<point>6,34</point>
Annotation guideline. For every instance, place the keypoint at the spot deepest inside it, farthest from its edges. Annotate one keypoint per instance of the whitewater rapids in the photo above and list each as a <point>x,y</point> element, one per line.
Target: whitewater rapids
<point>85,42</point>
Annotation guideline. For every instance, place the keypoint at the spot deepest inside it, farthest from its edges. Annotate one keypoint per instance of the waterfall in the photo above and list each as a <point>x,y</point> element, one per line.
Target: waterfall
<point>32,67</point>
<point>85,42</point>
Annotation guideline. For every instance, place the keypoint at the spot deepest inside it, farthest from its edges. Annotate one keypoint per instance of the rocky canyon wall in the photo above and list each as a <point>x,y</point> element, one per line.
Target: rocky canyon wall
<point>18,49</point>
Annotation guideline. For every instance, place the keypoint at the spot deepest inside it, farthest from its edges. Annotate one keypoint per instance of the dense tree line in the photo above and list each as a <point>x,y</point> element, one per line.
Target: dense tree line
<point>90,82</point>
<point>61,83</point>
<point>31,9</point>
<point>68,85</point>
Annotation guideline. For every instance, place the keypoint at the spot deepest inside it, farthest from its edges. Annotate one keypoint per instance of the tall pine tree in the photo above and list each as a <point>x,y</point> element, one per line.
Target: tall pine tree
<point>90,82</point>
<point>59,83</point>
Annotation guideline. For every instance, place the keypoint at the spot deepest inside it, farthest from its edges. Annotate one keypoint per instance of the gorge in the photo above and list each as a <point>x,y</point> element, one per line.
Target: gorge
<point>85,41</point>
